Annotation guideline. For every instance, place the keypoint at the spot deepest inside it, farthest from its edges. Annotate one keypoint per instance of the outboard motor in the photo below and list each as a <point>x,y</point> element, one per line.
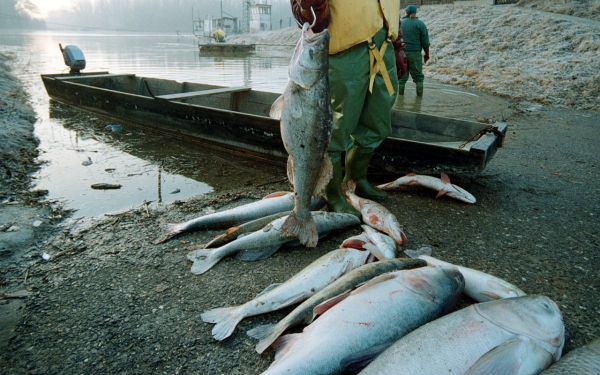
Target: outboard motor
<point>73,57</point>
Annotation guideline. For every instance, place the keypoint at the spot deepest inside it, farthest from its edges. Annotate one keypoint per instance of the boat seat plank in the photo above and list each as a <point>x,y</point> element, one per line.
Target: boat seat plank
<point>224,90</point>
<point>84,76</point>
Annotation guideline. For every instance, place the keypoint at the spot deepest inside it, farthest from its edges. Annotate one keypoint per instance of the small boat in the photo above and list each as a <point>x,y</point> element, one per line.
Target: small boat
<point>226,48</point>
<point>237,119</point>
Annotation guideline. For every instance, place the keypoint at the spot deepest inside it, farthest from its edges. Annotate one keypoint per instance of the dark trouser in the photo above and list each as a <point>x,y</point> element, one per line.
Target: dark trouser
<point>415,69</point>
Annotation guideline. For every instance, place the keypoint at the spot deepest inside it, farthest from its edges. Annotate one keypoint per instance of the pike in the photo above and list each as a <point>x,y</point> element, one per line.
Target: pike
<point>306,124</point>
<point>243,229</point>
<point>480,286</point>
<point>520,335</point>
<point>301,286</point>
<point>375,215</point>
<point>442,185</point>
<point>272,203</point>
<point>305,312</point>
<point>372,316</point>
<point>265,242</point>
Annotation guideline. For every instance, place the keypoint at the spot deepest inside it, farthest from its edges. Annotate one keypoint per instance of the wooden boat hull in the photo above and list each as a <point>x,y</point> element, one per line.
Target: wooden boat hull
<point>237,119</point>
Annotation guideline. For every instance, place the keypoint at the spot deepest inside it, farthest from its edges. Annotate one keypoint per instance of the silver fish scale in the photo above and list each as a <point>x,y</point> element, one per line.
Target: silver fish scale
<point>580,361</point>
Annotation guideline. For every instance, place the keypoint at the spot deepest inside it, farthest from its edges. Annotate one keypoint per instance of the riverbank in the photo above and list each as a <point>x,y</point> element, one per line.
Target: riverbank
<point>108,300</point>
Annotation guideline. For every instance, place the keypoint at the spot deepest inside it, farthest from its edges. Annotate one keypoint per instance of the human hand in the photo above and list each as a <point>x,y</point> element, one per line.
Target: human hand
<point>306,4</point>
<point>426,55</point>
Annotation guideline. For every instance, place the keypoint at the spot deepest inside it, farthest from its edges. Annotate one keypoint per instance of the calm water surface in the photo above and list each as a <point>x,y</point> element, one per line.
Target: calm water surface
<point>149,167</point>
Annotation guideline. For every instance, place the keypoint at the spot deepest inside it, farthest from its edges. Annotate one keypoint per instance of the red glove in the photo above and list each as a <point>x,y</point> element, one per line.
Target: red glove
<point>401,61</point>
<point>302,12</point>
<point>426,55</point>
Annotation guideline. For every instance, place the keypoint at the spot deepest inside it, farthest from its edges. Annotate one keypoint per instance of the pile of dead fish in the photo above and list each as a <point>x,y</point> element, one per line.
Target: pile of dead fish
<point>363,309</point>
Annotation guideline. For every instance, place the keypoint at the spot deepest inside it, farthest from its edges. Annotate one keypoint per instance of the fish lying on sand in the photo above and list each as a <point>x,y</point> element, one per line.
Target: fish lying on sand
<point>375,215</point>
<point>304,284</point>
<point>265,242</point>
<point>513,336</point>
<point>385,246</point>
<point>480,286</point>
<point>305,314</point>
<point>442,185</point>
<point>583,360</point>
<point>272,203</point>
<point>243,229</point>
<point>374,315</point>
<point>306,123</point>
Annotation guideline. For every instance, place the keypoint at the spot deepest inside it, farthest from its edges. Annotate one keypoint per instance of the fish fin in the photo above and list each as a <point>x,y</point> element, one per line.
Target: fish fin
<point>203,260</point>
<point>276,194</point>
<point>324,176</point>
<point>305,230</point>
<point>226,319</point>
<point>423,250</point>
<point>277,108</point>
<point>260,332</point>
<point>268,289</point>
<point>222,239</point>
<point>172,230</point>
<point>489,296</point>
<point>440,193</point>
<point>374,281</point>
<point>355,362</point>
<point>271,334</point>
<point>353,243</point>
<point>327,304</point>
<point>257,254</point>
<point>283,344</point>
<point>514,357</point>
<point>290,170</point>
<point>445,179</point>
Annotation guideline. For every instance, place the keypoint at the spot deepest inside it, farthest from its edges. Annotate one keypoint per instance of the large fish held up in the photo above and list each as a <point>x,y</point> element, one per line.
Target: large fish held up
<point>306,123</point>
<point>513,336</point>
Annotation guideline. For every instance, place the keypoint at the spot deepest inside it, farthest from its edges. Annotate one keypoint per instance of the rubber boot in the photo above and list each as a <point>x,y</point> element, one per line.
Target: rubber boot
<point>335,198</point>
<point>357,164</point>
<point>419,89</point>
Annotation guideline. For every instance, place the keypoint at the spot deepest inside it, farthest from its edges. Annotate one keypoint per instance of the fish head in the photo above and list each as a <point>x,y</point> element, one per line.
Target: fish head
<point>310,61</point>
<point>534,316</point>
<point>436,284</point>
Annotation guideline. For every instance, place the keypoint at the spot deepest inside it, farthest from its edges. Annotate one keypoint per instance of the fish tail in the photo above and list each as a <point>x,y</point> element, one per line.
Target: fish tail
<point>226,319</point>
<point>269,334</point>
<point>203,260</point>
<point>304,228</point>
<point>171,231</point>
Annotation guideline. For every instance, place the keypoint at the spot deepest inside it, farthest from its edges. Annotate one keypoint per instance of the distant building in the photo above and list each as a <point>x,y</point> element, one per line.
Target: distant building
<point>206,26</point>
<point>260,16</point>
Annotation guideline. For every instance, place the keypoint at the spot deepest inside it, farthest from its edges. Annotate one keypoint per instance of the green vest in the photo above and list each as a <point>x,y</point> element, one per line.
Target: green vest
<point>415,34</point>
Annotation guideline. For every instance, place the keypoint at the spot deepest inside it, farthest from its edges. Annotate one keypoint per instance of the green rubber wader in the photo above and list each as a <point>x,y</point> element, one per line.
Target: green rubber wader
<point>415,68</point>
<point>360,117</point>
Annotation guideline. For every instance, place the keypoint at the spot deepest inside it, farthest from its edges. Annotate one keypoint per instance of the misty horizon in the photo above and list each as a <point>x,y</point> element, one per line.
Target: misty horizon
<point>130,15</point>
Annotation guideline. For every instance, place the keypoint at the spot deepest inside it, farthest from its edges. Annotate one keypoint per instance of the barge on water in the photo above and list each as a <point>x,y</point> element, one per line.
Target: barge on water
<point>237,119</point>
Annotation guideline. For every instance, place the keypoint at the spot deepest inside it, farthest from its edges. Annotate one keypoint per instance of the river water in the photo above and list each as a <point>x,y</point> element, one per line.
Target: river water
<point>78,149</point>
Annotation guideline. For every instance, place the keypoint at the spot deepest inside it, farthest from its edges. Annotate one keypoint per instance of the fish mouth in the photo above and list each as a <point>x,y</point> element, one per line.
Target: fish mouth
<point>311,37</point>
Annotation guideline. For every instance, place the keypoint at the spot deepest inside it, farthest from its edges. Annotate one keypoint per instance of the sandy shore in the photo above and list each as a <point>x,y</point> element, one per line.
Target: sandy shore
<point>111,301</point>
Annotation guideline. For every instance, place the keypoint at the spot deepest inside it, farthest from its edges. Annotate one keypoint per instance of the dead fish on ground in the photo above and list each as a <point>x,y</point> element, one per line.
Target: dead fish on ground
<point>583,360</point>
<point>243,229</point>
<point>404,300</point>
<point>480,286</point>
<point>375,215</point>
<point>272,203</point>
<point>385,246</point>
<point>442,185</point>
<point>305,312</point>
<point>301,286</point>
<point>520,335</point>
<point>265,242</point>
<point>306,123</point>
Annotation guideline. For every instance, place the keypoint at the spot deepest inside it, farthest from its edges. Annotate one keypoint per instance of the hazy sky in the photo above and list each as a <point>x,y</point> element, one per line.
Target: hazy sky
<point>142,15</point>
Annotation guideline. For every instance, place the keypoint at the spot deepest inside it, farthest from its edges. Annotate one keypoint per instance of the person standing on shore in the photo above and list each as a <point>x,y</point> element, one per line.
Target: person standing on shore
<point>363,85</point>
<point>416,39</point>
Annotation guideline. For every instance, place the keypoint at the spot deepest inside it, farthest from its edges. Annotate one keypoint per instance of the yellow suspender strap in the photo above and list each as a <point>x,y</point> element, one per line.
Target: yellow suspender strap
<point>377,65</point>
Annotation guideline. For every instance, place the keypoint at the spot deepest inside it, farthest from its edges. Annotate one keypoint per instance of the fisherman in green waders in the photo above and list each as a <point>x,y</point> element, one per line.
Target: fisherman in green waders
<point>365,42</point>
<point>416,38</point>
